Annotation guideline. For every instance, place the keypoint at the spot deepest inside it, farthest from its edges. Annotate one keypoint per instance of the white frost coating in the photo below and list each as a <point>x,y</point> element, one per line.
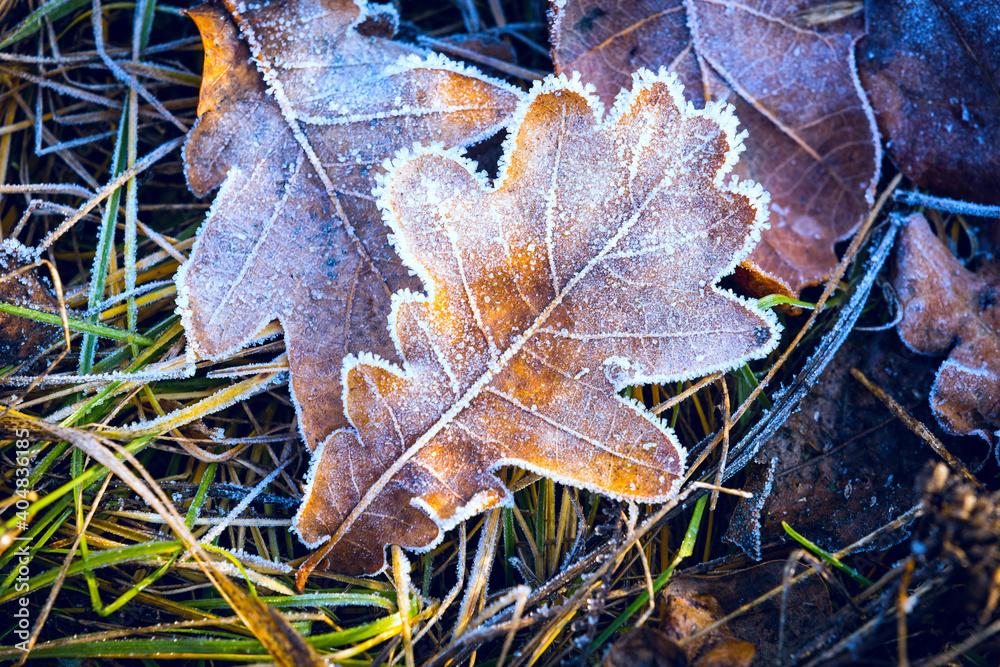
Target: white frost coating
<point>194,352</point>
<point>307,492</point>
<point>872,124</point>
<point>183,309</point>
<point>550,84</point>
<point>479,502</point>
<point>22,253</point>
<point>242,505</point>
<point>184,371</point>
<point>436,61</point>
<point>278,378</point>
<point>367,10</point>
<point>118,298</point>
<point>557,10</point>
<point>227,567</point>
<point>254,560</point>
<point>952,366</point>
<point>276,366</point>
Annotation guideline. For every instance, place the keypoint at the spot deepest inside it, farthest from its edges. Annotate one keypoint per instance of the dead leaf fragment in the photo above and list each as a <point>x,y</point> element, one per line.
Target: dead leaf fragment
<point>645,647</point>
<point>297,111</point>
<point>685,615</point>
<point>21,337</point>
<point>606,40</point>
<point>812,142</point>
<point>591,264</point>
<point>945,304</point>
<point>808,603</point>
<point>932,71</point>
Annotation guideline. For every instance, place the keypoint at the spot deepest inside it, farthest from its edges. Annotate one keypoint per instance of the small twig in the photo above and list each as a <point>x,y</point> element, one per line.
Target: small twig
<point>946,204</point>
<point>693,389</point>
<point>922,431</point>
<point>721,470</point>
<point>401,577</point>
<point>900,521</point>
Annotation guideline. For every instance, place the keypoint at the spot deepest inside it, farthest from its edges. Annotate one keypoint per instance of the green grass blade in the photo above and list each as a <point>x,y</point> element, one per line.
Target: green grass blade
<point>382,600</point>
<point>147,8</point>
<point>772,300</point>
<point>35,541</point>
<point>54,9</point>
<point>827,557</point>
<point>100,559</point>
<point>105,246</point>
<point>76,324</point>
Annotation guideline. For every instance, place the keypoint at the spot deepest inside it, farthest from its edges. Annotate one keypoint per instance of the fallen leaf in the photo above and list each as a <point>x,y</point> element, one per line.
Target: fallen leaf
<point>842,467</point>
<point>945,304</point>
<point>607,40</point>
<point>812,141</point>
<point>22,338</point>
<point>685,615</point>
<point>932,72</point>
<point>297,111</point>
<point>481,43</point>
<point>807,605</point>
<point>645,647</point>
<point>591,264</point>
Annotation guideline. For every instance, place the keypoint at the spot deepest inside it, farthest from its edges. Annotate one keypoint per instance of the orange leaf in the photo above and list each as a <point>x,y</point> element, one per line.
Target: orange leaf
<point>301,101</point>
<point>591,264</point>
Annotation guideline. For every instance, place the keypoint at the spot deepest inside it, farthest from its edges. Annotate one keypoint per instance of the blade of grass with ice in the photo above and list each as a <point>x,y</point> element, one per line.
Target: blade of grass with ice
<point>105,246</point>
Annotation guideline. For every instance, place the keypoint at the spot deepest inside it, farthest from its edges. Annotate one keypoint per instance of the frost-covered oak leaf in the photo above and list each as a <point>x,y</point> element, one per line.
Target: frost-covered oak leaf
<point>949,309</point>
<point>591,263</point>
<point>812,138</point>
<point>301,102</point>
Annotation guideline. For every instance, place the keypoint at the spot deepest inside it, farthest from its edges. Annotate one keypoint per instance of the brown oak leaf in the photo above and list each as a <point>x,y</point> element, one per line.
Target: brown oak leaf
<point>812,140</point>
<point>932,72</point>
<point>686,615</point>
<point>591,264</point>
<point>645,647</point>
<point>301,101</point>
<point>22,338</point>
<point>945,304</point>
<point>762,625</point>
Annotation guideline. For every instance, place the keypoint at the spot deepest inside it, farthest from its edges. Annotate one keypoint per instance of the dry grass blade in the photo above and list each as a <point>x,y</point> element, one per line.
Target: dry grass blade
<point>282,641</point>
